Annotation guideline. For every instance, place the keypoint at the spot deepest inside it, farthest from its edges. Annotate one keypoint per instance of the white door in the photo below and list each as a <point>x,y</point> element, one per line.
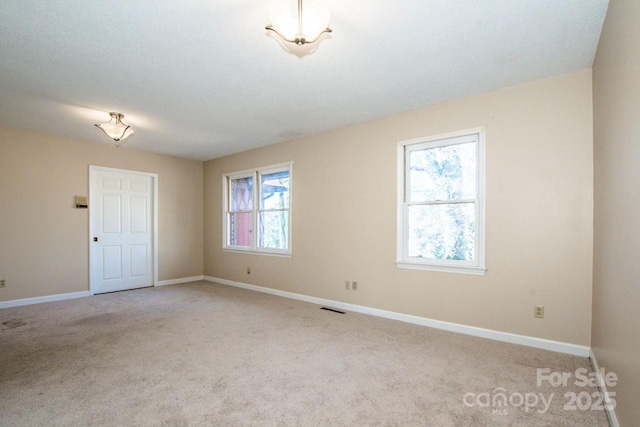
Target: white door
<point>122,208</point>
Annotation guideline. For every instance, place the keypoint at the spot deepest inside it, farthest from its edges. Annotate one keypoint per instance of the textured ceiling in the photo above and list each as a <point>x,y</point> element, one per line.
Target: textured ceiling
<point>202,79</point>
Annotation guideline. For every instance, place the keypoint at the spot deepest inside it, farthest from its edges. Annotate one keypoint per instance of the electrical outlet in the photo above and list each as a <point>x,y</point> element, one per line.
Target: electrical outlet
<point>538,311</point>
<point>354,285</point>
<point>248,270</point>
<point>2,283</point>
<point>346,285</point>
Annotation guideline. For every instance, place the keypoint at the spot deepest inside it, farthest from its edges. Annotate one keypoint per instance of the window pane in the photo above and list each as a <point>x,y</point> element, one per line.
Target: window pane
<point>274,190</point>
<point>444,231</point>
<point>443,173</point>
<point>240,228</point>
<point>274,227</point>
<point>241,198</point>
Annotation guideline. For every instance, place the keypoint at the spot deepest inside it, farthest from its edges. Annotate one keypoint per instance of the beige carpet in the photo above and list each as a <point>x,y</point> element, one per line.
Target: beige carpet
<point>207,354</point>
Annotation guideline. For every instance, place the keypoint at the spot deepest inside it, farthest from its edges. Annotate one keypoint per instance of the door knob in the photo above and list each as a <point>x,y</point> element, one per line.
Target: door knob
<point>95,239</point>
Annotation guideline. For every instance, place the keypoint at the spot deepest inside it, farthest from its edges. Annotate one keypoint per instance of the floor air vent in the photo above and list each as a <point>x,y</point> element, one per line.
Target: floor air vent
<point>331,309</point>
<point>12,324</point>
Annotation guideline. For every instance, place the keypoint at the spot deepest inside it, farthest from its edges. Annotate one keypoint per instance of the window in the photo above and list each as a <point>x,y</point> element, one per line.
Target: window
<point>257,208</point>
<point>441,203</point>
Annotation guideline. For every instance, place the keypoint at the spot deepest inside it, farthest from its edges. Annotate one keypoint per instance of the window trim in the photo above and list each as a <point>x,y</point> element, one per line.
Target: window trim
<point>255,174</point>
<point>476,267</point>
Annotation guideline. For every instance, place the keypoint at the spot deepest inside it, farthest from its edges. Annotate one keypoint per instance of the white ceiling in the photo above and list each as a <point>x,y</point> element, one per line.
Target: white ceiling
<point>201,79</point>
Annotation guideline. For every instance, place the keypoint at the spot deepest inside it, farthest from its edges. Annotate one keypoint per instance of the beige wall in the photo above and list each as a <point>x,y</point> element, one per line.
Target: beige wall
<point>539,214</point>
<point>44,240</point>
<point>616,272</point>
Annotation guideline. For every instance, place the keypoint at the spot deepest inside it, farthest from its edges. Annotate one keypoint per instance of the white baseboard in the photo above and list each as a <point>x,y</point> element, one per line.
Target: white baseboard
<point>609,409</point>
<point>39,300</point>
<point>178,281</point>
<point>560,347</point>
<point>557,346</point>
<point>72,295</point>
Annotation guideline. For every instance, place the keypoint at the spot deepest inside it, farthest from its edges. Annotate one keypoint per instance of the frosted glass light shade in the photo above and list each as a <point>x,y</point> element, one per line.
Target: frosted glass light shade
<point>115,129</point>
<point>299,22</point>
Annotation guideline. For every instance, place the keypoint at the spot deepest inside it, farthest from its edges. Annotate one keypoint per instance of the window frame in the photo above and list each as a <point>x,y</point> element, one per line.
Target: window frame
<point>256,175</point>
<point>403,260</point>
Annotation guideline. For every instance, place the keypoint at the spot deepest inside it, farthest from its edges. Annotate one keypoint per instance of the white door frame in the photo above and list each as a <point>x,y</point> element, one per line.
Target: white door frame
<point>92,255</point>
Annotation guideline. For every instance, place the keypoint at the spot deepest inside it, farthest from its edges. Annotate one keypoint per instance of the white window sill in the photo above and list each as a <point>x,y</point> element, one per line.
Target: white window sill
<point>477,271</point>
<point>254,252</point>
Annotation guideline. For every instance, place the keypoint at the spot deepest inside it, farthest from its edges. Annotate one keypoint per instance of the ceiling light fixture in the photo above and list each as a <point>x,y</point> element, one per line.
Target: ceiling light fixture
<point>115,129</point>
<point>301,26</point>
